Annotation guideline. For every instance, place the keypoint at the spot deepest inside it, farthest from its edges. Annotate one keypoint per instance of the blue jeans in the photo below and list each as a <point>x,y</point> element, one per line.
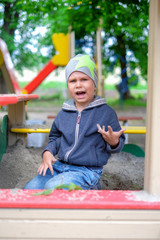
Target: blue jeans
<point>85,177</point>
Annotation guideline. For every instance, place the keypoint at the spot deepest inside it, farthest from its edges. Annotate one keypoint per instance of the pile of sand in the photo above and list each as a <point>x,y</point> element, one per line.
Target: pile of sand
<point>124,171</point>
<point>19,164</point>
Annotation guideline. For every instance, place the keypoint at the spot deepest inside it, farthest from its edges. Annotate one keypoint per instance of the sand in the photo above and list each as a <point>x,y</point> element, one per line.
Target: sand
<point>124,171</point>
<point>19,164</point>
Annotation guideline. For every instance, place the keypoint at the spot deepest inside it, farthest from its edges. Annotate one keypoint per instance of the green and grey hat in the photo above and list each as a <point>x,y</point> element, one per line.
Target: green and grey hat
<point>82,63</point>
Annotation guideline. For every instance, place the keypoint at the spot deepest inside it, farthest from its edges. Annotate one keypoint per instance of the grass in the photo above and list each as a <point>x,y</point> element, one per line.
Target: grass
<point>48,85</point>
<point>57,98</point>
<point>47,101</point>
<point>53,84</point>
<point>126,103</point>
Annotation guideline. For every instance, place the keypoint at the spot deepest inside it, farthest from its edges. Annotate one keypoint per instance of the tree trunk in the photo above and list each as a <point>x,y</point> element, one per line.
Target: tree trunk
<point>10,23</point>
<point>11,17</point>
<point>123,86</point>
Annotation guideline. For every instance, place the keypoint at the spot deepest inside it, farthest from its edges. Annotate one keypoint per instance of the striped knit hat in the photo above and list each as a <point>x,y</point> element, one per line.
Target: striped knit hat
<point>82,63</point>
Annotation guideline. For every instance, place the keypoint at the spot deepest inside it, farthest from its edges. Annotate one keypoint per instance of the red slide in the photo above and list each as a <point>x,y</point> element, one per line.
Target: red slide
<point>9,77</point>
<point>61,43</point>
<point>48,68</point>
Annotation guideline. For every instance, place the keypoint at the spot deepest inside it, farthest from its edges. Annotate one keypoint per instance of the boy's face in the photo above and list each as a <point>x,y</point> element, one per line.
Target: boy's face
<point>81,88</point>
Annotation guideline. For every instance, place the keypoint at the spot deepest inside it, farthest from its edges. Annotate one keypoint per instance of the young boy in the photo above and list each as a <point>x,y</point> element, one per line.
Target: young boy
<point>84,134</point>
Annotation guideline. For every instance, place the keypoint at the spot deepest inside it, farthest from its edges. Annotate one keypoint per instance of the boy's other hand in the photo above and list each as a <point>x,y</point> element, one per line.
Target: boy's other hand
<point>47,162</point>
<point>110,136</point>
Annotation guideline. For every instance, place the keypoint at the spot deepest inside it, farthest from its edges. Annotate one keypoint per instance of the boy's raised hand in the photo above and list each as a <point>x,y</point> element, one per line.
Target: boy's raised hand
<point>110,136</point>
<point>47,162</point>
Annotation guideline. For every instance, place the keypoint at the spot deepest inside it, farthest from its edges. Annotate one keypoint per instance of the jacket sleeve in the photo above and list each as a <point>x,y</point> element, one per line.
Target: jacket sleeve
<point>114,123</point>
<point>54,139</point>
<point>119,146</point>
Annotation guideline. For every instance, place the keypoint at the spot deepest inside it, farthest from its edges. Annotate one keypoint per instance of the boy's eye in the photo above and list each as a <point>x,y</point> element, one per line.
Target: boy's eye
<point>84,79</point>
<point>72,81</point>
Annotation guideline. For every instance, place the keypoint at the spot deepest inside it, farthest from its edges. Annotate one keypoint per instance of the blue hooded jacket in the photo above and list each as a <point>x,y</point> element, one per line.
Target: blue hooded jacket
<point>74,136</point>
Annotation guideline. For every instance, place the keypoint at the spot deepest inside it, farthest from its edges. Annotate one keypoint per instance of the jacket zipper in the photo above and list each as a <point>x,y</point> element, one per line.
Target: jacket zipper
<point>76,137</point>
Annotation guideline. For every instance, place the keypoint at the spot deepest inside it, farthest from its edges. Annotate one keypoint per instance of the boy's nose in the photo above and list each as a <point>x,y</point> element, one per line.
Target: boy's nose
<point>78,84</point>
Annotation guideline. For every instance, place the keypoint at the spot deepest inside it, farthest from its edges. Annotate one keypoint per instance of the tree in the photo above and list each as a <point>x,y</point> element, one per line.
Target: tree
<point>10,15</point>
<point>125,22</point>
<point>19,20</point>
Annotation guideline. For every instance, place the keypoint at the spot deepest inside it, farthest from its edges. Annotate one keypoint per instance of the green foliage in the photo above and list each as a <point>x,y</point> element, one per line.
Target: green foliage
<point>69,187</point>
<point>84,16</point>
<point>128,22</point>
<point>53,100</point>
<point>45,192</point>
<point>125,22</point>
<point>115,103</point>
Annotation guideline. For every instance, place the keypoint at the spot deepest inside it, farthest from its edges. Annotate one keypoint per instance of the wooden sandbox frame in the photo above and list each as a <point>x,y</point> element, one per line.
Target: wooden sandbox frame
<point>97,214</point>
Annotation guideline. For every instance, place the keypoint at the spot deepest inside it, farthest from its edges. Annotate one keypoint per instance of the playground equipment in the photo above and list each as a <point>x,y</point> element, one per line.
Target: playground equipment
<point>7,69</point>
<point>63,48</point>
<point>130,148</point>
<point>61,43</point>
<point>128,129</point>
<point>97,214</point>
<point>87,214</point>
<point>16,115</point>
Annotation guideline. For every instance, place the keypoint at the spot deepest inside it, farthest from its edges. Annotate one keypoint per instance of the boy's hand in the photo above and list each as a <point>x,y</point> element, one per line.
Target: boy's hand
<point>47,161</point>
<point>110,136</point>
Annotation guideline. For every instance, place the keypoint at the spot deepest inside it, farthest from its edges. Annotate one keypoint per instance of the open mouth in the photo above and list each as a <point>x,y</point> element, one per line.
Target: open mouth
<point>80,93</point>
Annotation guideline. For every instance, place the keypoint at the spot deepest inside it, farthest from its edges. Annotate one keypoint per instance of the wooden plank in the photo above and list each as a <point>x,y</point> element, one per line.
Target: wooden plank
<point>76,214</point>
<point>16,115</point>
<point>79,230</point>
<point>86,199</point>
<point>79,224</point>
<point>152,161</point>
<point>15,98</point>
<point>99,59</point>
<point>120,118</point>
<point>126,118</point>
<point>8,99</point>
<point>16,112</point>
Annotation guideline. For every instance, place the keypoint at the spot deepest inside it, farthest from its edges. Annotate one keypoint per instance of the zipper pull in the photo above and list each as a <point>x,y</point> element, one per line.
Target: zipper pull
<point>78,118</point>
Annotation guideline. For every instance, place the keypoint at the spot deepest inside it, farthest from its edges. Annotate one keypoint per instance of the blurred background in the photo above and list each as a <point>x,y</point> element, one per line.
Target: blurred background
<point>27,27</point>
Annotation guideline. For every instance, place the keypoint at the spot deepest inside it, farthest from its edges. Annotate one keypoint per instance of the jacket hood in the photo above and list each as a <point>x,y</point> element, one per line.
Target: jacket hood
<point>70,106</point>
